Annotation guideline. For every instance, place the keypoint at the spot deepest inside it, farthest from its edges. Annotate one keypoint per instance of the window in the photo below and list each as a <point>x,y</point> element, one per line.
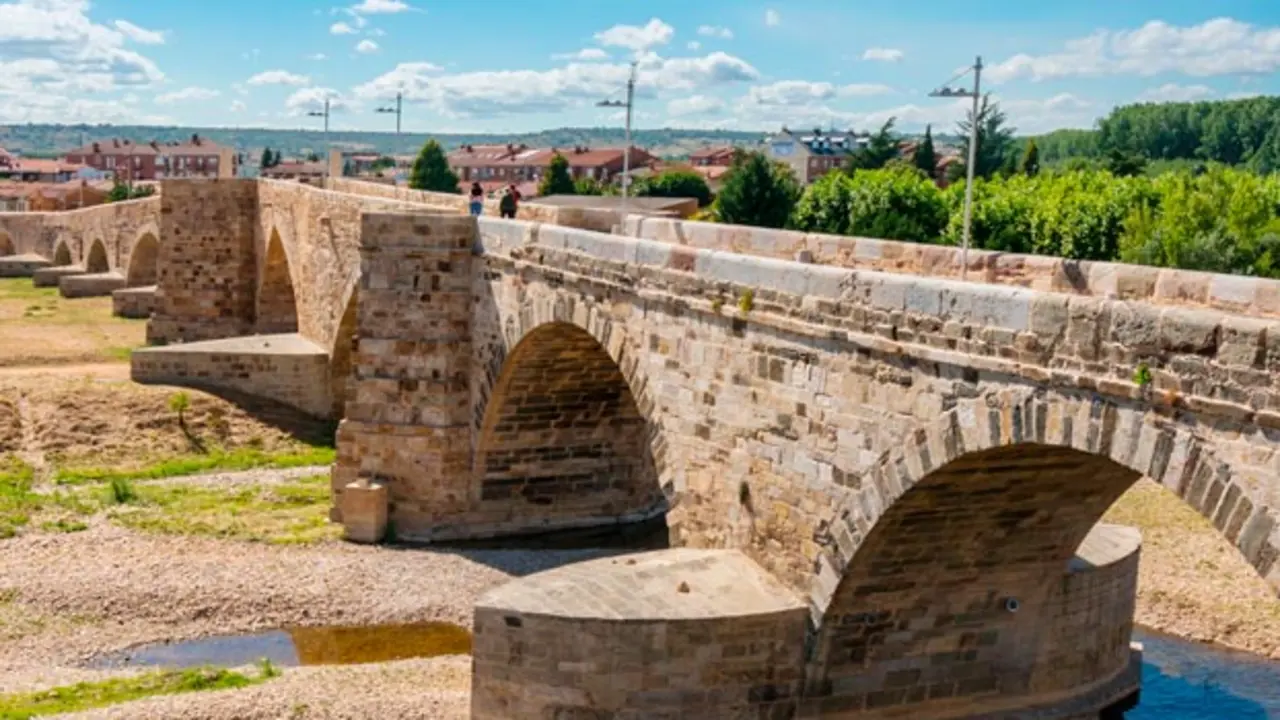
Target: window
<point>111,161</point>
<point>137,162</point>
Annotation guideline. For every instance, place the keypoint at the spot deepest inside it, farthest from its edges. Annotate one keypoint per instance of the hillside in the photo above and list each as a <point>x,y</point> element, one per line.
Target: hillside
<point>35,140</point>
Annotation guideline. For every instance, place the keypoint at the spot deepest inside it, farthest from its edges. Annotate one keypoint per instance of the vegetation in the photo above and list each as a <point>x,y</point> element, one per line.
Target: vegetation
<point>269,159</point>
<point>898,202</point>
<point>1030,165</point>
<point>89,695</point>
<point>757,192</point>
<point>995,141</point>
<point>926,157</point>
<point>120,191</point>
<point>557,180</point>
<point>228,460</point>
<point>675,184</point>
<point>879,150</point>
<point>431,170</point>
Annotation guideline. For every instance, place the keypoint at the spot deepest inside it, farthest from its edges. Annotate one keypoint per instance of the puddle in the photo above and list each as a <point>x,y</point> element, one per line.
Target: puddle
<point>336,645</point>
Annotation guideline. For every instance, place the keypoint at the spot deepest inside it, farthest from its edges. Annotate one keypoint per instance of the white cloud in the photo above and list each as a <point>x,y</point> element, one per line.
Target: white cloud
<point>316,56</point>
<point>772,18</point>
<point>341,28</point>
<point>374,7</point>
<point>312,99</point>
<point>278,77</point>
<point>505,92</point>
<point>1221,46</point>
<point>694,105</point>
<point>694,45</point>
<point>375,32</point>
<point>880,54</point>
<point>140,35</point>
<point>1172,92</point>
<point>715,31</point>
<point>237,106</point>
<point>251,54</point>
<point>791,92</point>
<point>863,90</point>
<point>633,37</point>
<point>587,54</point>
<point>52,52</point>
<point>187,93</point>
<point>366,46</point>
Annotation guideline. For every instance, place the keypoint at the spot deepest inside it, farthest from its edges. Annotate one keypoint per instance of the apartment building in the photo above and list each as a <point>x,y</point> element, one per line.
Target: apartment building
<point>132,161</point>
<point>498,165</point>
<point>812,155</point>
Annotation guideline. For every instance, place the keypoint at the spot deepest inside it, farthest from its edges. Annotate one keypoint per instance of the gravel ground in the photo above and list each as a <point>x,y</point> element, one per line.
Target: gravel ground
<point>68,598</point>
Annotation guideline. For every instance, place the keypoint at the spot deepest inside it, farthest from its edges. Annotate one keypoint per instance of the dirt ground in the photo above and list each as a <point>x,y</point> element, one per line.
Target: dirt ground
<point>39,327</point>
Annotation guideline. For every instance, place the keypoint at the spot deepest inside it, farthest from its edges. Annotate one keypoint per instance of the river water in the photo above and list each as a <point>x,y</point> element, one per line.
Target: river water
<point>1183,680</point>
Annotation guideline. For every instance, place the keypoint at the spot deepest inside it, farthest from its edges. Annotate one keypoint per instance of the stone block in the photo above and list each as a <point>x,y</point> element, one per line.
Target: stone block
<point>364,512</point>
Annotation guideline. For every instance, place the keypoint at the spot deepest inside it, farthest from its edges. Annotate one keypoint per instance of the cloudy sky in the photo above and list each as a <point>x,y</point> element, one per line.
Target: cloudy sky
<point>506,65</point>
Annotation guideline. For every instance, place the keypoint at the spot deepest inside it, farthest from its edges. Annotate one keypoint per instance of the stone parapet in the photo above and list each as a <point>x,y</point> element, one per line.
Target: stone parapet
<point>52,276</point>
<point>12,266</point>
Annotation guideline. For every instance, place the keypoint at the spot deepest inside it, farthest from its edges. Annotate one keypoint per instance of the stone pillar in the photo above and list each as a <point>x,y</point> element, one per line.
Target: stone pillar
<point>206,268</point>
<point>364,512</point>
<point>408,414</point>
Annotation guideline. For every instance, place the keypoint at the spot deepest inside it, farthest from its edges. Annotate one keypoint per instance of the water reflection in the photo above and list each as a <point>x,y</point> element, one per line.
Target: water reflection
<point>334,645</point>
<point>1183,680</point>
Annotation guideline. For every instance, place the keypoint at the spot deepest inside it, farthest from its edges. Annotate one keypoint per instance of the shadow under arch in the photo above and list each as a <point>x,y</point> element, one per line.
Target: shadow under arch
<point>990,503</point>
<point>340,355</point>
<point>277,307</point>
<point>562,441</point>
<point>144,261</point>
<point>62,254</point>
<point>6,244</point>
<point>96,261</point>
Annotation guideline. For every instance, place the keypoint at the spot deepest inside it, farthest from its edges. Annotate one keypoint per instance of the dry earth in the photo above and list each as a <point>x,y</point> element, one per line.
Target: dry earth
<point>37,326</point>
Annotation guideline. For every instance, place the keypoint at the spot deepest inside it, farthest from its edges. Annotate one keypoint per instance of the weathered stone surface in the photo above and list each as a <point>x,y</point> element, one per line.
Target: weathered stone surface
<point>364,512</point>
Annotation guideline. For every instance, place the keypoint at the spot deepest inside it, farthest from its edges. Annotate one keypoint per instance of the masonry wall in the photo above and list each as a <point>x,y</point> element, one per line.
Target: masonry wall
<point>117,226</point>
<point>207,261</point>
<point>1258,297</point>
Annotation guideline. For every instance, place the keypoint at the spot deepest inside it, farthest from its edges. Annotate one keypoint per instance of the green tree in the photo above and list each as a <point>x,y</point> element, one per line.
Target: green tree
<point>879,150</point>
<point>676,184</point>
<point>757,192</point>
<point>1030,165</point>
<point>926,157</point>
<point>897,202</point>
<point>995,139</point>
<point>825,205</point>
<point>313,157</point>
<point>431,170</point>
<point>557,180</point>
<point>587,186</point>
<point>266,158</point>
<point>1125,163</point>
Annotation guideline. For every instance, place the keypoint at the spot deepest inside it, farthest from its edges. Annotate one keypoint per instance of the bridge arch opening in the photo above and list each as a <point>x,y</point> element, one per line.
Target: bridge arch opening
<point>277,310</point>
<point>6,244</point>
<point>97,261</point>
<point>344,345</point>
<point>144,261</point>
<point>62,255</point>
<point>562,437</point>
<point>954,584</point>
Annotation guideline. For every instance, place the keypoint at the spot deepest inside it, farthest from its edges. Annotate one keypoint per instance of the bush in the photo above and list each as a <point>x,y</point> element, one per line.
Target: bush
<point>896,203</point>
<point>825,205</point>
<point>757,192</point>
<point>676,184</point>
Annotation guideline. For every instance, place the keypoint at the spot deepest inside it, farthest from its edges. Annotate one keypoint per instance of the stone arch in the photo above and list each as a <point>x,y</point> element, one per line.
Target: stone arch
<point>144,261</point>
<point>340,356</point>
<point>6,244</point>
<point>277,308</point>
<point>96,261</point>
<point>564,432</point>
<point>62,254</point>
<point>998,494</point>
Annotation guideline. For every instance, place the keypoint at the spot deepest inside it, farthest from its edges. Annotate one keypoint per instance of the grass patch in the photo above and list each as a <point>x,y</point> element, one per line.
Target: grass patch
<point>292,512</point>
<point>89,695</point>
<point>227,460</point>
<point>24,289</point>
<point>17,501</point>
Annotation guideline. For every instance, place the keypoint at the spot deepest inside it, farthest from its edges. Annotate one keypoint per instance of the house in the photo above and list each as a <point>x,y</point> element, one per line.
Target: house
<point>812,155</point>
<point>602,164</point>
<point>718,156</point>
<point>50,197</point>
<point>22,169</point>
<point>307,172</point>
<point>490,163</point>
<point>131,161</point>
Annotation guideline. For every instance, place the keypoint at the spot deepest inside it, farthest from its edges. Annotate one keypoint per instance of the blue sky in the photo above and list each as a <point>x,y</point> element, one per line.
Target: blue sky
<point>514,66</point>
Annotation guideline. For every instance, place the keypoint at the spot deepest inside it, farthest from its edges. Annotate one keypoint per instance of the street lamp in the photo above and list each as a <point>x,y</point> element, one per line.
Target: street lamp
<point>976,94</point>
<point>325,115</point>
<point>395,110</point>
<point>626,152</point>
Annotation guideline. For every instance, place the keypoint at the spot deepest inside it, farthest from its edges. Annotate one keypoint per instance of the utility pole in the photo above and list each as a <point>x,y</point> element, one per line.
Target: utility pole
<point>397,110</point>
<point>626,151</point>
<point>976,94</point>
<point>325,115</point>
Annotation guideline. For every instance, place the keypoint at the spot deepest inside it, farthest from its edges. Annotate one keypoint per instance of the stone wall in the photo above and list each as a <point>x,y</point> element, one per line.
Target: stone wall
<point>207,262</point>
<point>1258,297</point>
<point>134,302</point>
<point>114,226</point>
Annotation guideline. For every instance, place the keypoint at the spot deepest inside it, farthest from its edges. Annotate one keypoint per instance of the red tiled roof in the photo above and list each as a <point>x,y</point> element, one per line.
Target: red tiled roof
<point>709,153</point>
<point>33,165</point>
<point>587,157</point>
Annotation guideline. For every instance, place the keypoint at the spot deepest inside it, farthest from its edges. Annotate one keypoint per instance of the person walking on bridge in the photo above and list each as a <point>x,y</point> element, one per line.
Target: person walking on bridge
<point>477,199</point>
<point>510,203</point>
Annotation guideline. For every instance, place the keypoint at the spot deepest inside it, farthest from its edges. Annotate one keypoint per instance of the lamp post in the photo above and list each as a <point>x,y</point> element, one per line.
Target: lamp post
<point>626,151</point>
<point>976,94</point>
<point>325,115</point>
<point>396,110</point>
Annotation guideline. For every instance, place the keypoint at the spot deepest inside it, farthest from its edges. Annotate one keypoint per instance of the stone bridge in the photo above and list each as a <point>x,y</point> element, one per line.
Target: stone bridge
<point>881,482</point>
